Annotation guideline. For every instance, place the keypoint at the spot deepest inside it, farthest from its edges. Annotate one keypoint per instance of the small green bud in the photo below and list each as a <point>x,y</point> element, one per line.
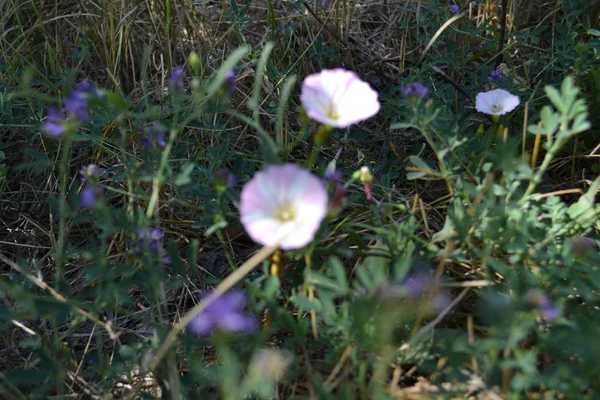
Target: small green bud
<point>365,175</point>
<point>194,62</point>
<point>480,131</point>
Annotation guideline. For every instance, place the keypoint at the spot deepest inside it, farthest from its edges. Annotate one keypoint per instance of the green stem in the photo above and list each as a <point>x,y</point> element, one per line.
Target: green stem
<point>62,210</point>
<point>159,177</point>
<point>537,178</point>
<point>441,162</point>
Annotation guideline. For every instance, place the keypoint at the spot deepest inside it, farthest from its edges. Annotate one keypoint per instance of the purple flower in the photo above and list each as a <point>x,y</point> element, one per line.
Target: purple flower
<point>496,75</point>
<point>224,179</point>
<point>86,86</point>
<point>230,82</point>
<point>154,130</point>
<point>226,314</point>
<point>332,175</point>
<point>453,8</point>
<point>417,284</point>
<point>176,80</point>
<point>55,124</point>
<point>76,106</point>
<point>90,173</point>
<point>151,239</point>
<point>89,195</point>
<point>414,91</point>
<point>536,298</point>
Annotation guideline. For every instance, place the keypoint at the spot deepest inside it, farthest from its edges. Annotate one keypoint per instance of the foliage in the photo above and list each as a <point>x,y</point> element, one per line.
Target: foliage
<point>451,262</point>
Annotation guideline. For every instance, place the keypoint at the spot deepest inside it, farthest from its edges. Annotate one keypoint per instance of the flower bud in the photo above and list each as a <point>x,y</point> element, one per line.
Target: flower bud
<point>194,62</point>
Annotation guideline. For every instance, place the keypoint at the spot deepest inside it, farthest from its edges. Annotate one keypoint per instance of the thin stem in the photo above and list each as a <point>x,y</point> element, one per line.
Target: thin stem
<point>62,210</point>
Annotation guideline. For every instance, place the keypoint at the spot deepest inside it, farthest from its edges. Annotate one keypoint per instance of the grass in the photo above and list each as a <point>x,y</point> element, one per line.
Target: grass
<point>82,314</point>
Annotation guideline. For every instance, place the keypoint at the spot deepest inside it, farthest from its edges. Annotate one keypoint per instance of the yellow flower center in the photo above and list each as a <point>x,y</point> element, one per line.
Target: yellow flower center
<point>496,108</point>
<point>333,113</point>
<point>285,214</point>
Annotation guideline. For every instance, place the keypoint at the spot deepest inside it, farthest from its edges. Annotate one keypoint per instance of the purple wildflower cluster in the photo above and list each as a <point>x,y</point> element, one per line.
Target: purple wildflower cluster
<point>414,91</point>
<point>155,133</point>
<point>225,314</point>
<point>453,8</point>
<point>75,110</point>
<point>496,75</point>
<point>230,82</point>
<point>151,239</point>
<point>422,284</point>
<point>537,299</point>
<point>90,175</point>
<point>176,80</point>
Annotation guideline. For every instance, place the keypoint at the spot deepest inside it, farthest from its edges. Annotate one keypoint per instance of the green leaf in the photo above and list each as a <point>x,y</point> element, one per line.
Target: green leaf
<point>419,163</point>
<point>305,304</point>
<point>593,32</point>
<point>339,272</point>
<point>219,225</point>
<point>583,211</point>
<point>21,375</point>
<point>119,102</point>
<point>127,352</point>
<point>283,100</point>
<point>401,125</point>
<point>260,73</point>
<point>411,176</point>
<point>555,97</point>
<point>184,177</point>
<point>268,146</point>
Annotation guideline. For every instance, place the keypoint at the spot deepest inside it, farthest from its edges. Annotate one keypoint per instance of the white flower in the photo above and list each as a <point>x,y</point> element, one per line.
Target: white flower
<point>496,102</point>
<point>283,205</point>
<point>338,98</point>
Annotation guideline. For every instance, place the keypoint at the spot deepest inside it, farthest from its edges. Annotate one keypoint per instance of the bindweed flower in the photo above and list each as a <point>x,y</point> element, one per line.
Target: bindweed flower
<point>496,102</point>
<point>151,239</point>
<point>453,8</point>
<point>226,314</point>
<point>55,125</point>
<point>497,75</point>
<point>89,196</point>
<point>414,91</point>
<point>283,205</point>
<point>152,131</point>
<point>230,82</point>
<point>176,80</point>
<point>338,98</point>
<point>536,298</point>
<point>90,173</point>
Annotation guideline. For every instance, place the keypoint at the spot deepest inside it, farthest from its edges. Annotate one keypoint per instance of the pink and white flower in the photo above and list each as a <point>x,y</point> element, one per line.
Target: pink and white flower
<point>283,205</point>
<point>338,98</point>
<point>496,102</point>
